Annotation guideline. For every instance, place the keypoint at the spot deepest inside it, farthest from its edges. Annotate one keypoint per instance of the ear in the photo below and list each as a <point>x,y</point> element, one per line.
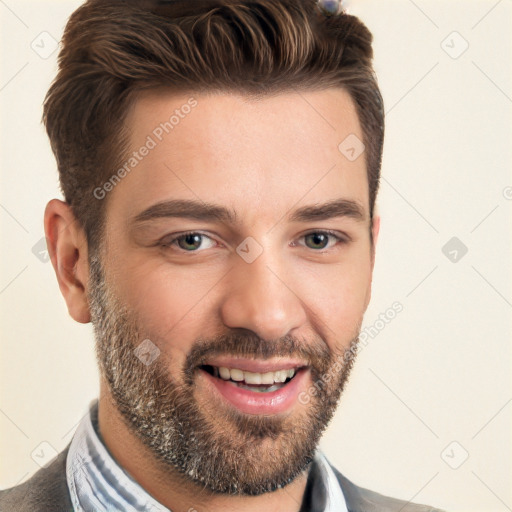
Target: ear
<point>375,228</point>
<point>375,235</point>
<point>67,248</point>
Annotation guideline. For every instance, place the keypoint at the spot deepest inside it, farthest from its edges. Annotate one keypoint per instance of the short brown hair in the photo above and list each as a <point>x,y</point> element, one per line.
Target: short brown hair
<point>113,49</point>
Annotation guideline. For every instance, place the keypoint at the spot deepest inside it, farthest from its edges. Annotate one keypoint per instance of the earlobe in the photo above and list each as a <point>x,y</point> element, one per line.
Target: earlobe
<point>67,248</point>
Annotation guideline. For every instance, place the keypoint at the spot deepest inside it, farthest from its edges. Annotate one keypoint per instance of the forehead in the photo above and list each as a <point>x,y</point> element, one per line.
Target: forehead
<point>258,155</point>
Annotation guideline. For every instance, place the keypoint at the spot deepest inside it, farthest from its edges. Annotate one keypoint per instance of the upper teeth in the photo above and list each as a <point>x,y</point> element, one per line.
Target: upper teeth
<point>255,378</point>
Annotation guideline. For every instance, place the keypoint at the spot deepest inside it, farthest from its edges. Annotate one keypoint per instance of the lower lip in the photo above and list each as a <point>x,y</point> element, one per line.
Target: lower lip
<point>254,402</point>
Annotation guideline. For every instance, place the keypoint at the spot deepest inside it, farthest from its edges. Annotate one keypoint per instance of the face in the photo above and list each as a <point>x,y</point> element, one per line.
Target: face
<point>234,275</point>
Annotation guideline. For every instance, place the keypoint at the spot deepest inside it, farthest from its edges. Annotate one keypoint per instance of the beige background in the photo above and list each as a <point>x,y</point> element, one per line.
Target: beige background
<point>438,373</point>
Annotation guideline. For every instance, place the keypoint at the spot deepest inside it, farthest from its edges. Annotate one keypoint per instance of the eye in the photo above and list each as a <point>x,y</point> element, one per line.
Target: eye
<point>322,240</point>
<point>190,242</point>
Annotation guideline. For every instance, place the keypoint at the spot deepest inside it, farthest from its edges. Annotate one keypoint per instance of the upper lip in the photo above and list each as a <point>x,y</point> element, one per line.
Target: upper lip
<point>255,365</point>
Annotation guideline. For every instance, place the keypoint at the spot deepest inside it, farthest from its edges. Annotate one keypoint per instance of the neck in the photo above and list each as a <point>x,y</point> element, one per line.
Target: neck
<point>172,489</point>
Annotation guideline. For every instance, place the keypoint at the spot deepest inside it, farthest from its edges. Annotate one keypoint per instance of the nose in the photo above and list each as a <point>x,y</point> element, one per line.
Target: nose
<point>260,297</point>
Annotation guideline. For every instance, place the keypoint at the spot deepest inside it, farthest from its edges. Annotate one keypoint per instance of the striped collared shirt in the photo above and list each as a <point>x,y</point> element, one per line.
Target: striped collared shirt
<point>97,483</point>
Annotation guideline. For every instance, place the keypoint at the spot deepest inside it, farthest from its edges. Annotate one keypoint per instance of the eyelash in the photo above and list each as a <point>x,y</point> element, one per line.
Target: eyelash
<point>339,240</point>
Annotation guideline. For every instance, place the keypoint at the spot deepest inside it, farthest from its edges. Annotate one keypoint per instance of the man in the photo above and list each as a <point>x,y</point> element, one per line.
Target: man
<point>219,162</point>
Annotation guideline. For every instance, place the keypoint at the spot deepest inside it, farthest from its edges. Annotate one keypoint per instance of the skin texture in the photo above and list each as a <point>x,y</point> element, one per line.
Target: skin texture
<point>262,159</point>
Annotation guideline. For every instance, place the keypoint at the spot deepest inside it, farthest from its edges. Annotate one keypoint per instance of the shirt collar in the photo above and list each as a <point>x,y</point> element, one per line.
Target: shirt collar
<point>97,483</point>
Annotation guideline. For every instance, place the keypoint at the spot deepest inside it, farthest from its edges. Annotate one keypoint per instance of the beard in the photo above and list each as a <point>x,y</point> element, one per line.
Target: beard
<point>213,445</point>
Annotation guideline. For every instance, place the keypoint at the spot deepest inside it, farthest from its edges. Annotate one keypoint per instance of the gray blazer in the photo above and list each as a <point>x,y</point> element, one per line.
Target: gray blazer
<point>47,491</point>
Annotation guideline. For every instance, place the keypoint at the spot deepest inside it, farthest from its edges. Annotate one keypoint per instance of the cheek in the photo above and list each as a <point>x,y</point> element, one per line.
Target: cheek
<point>170,305</point>
<point>337,297</point>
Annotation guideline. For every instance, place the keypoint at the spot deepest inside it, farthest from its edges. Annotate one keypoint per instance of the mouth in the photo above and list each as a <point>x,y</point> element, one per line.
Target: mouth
<point>255,387</point>
<point>266,382</point>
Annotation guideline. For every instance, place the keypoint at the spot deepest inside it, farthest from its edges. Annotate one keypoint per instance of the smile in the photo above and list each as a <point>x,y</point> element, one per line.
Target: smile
<point>255,387</point>
<point>257,382</point>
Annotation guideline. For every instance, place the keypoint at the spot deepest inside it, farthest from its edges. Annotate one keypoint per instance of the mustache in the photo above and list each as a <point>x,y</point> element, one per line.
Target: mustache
<point>242,343</point>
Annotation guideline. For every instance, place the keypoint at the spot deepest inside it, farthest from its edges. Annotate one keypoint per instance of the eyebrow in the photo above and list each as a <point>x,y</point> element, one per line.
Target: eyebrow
<point>202,211</point>
<point>186,208</point>
<point>329,210</point>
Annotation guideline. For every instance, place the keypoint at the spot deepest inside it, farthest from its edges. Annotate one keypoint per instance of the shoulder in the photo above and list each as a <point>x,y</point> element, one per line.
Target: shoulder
<point>45,491</point>
<point>363,500</point>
